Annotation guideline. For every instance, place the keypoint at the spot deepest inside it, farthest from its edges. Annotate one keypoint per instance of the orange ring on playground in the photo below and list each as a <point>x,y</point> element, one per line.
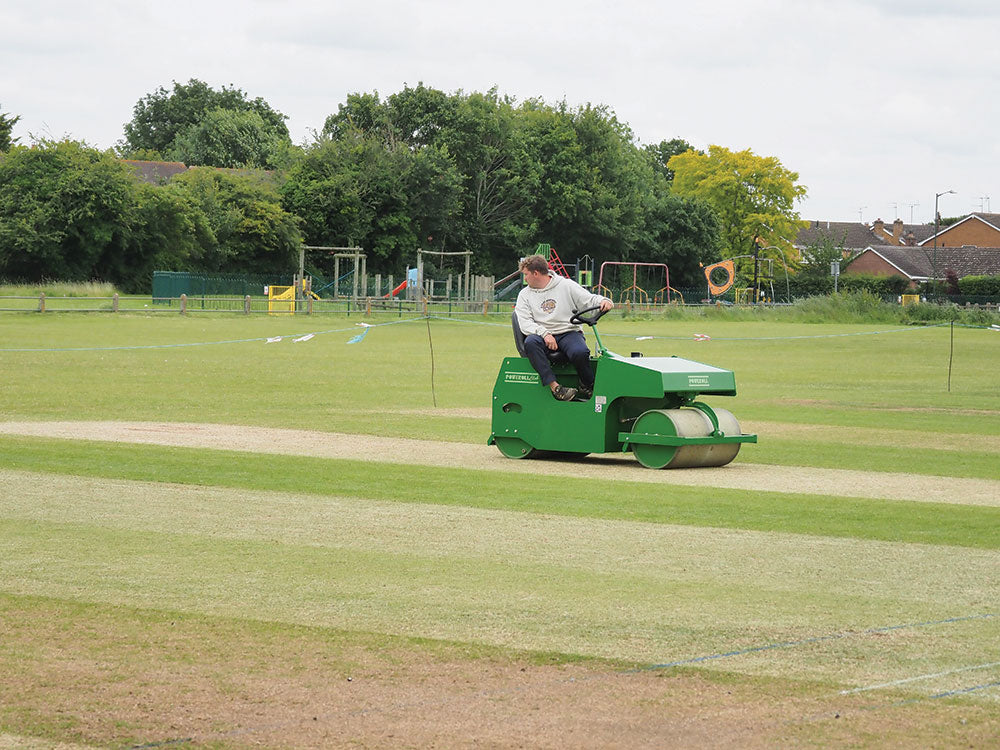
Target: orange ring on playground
<point>727,266</point>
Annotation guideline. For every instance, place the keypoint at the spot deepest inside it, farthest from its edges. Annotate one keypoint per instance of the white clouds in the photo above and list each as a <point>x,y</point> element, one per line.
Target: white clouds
<point>871,101</point>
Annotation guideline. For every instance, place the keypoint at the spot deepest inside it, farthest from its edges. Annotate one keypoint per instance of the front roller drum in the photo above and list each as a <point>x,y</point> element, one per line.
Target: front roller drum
<point>513,447</point>
<point>685,423</point>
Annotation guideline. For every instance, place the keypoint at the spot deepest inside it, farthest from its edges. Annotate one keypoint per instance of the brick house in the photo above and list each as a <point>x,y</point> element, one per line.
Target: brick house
<point>918,263</point>
<point>976,229</point>
<point>854,237</point>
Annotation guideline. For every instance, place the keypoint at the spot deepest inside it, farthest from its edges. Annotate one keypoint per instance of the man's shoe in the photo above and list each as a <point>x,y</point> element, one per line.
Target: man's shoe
<point>584,393</point>
<point>562,393</point>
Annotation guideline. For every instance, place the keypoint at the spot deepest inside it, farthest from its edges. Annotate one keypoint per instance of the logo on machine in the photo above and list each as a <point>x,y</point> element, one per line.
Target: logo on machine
<point>520,377</point>
<point>697,381</point>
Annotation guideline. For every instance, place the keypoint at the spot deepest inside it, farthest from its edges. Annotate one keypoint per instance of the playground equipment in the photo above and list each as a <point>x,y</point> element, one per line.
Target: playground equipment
<point>644,404</point>
<point>762,288</point>
<point>509,285</point>
<point>281,300</point>
<point>402,285</point>
<point>721,286</point>
<point>628,289</point>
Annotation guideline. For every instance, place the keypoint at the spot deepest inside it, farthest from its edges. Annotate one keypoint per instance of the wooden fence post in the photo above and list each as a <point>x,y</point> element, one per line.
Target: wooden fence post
<point>246,305</point>
<point>114,303</point>
<point>184,303</point>
<point>41,302</point>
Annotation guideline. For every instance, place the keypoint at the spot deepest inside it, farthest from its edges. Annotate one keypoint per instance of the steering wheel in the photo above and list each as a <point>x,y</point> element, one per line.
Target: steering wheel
<point>578,316</point>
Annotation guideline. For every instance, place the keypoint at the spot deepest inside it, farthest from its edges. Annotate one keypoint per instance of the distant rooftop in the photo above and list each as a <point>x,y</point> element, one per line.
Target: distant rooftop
<point>156,172</point>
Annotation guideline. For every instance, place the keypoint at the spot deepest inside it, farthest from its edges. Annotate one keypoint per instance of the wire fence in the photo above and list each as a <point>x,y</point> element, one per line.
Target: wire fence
<point>259,304</point>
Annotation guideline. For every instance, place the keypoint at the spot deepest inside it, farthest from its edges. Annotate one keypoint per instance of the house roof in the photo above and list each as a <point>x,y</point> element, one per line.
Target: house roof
<point>156,172</point>
<point>846,234</point>
<point>920,262</point>
<point>920,231</point>
<point>993,220</point>
<point>160,172</point>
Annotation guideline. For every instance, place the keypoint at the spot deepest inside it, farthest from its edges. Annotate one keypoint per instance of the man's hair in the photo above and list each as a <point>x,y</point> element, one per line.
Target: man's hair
<point>536,263</point>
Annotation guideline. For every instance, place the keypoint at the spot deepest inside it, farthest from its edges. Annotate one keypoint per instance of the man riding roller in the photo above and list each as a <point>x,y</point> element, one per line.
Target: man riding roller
<point>543,310</point>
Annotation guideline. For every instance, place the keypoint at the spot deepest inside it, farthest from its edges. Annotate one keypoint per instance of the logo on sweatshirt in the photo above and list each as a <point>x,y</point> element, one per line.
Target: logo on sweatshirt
<point>548,305</point>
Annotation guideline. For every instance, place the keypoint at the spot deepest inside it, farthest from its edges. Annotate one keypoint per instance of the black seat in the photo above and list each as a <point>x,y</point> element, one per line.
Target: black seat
<point>555,357</point>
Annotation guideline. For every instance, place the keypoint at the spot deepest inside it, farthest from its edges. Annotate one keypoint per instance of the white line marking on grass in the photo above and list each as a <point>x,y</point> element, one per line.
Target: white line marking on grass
<point>815,639</point>
<point>931,676</point>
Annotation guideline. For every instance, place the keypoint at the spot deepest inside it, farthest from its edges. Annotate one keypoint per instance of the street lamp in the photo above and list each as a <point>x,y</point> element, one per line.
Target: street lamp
<point>937,218</point>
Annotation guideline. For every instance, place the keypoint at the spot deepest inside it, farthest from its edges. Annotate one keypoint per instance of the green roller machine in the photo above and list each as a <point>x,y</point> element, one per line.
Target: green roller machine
<point>647,405</point>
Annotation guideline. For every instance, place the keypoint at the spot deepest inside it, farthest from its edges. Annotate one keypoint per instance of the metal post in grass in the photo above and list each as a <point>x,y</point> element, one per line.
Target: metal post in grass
<point>951,354</point>
<point>937,220</point>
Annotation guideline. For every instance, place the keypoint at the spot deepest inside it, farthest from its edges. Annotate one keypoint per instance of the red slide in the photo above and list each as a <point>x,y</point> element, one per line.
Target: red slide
<point>396,291</point>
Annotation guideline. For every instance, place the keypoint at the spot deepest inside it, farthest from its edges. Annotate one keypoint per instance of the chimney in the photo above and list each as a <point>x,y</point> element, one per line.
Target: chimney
<point>879,228</point>
<point>911,238</point>
<point>897,231</point>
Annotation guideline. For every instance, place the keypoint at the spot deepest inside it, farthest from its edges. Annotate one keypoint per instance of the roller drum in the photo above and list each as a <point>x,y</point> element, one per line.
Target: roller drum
<point>685,423</point>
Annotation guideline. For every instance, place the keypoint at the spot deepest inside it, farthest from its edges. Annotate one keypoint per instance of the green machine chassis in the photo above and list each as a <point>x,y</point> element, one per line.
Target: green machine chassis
<point>648,405</point>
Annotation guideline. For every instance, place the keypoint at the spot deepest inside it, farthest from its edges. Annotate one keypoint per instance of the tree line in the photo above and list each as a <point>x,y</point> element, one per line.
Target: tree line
<point>420,168</point>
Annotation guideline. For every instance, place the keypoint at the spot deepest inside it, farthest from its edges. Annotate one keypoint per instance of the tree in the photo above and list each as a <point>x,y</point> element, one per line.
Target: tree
<point>247,230</point>
<point>471,144</point>
<point>168,232</point>
<point>63,206</point>
<point>356,190</point>
<point>160,118</point>
<point>813,275</point>
<point>71,212</point>
<point>661,153</point>
<point>7,123</point>
<point>753,196</point>
<point>592,185</point>
<point>230,138</point>
<point>364,114</point>
<point>684,234</point>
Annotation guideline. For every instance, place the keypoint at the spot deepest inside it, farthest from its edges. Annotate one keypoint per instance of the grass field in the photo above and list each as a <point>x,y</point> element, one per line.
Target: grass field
<point>246,593</point>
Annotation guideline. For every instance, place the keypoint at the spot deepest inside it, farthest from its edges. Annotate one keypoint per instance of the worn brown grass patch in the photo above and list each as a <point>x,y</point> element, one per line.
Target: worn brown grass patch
<point>118,677</point>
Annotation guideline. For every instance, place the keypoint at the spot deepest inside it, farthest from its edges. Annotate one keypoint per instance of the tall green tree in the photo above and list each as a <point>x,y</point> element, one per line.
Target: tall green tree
<point>71,212</point>
<point>7,123</point>
<point>681,232</point>
<point>504,177</point>
<point>356,190</point>
<point>63,207</point>
<point>471,145</point>
<point>661,153</point>
<point>160,118</point>
<point>598,194</point>
<point>752,196</point>
<point>246,229</point>
<point>230,138</point>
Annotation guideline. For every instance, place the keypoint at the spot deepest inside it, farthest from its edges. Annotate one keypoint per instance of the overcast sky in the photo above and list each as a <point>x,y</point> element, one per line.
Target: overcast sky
<point>877,104</point>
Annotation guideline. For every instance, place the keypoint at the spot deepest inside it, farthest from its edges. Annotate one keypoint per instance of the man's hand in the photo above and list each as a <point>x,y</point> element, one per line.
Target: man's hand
<point>606,305</point>
<point>550,341</point>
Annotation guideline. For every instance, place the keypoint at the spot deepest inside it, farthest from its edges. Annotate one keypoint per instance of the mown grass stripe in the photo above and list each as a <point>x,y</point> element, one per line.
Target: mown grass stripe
<point>930,523</point>
<point>862,456</point>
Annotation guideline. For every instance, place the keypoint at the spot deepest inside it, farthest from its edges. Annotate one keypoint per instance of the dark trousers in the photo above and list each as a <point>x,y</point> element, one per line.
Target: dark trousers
<point>572,344</point>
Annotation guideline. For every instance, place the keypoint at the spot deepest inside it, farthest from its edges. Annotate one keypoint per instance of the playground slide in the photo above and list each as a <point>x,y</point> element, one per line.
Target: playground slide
<point>516,284</point>
<point>397,290</point>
